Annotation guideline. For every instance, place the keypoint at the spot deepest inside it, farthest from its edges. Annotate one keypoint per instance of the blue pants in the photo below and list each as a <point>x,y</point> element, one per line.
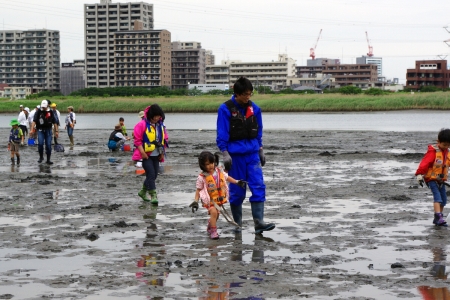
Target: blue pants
<point>45,136</point>
<point>69,130</point>
<point>151,166</point>
<point>247,167</point>
<point>439,193</point>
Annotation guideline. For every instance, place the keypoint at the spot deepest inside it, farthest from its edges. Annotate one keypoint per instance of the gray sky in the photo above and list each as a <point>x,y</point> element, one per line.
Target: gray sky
<point>400,31</point>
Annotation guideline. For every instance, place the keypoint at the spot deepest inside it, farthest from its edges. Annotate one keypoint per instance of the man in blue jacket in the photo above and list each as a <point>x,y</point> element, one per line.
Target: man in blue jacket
<point>239,138</point>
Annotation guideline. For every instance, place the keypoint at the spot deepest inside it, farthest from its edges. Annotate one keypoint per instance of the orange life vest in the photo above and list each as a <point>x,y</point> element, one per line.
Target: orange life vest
<point>439,170</point>
<point>217,194</point>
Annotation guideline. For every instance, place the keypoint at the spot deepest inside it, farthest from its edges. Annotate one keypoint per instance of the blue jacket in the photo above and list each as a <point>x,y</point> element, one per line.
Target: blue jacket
<point>245,146</point>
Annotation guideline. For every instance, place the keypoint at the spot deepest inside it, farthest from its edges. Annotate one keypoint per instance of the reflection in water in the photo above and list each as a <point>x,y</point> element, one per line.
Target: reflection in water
<point>44,168</point>
<point>438,270</point>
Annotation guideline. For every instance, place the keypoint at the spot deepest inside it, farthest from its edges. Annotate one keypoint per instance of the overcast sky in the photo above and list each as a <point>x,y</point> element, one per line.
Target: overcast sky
<point>399,31</point>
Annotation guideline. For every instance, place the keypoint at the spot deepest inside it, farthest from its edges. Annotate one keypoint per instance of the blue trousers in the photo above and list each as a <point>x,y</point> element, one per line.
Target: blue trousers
<point>151,166</point>
<point>247,167</point>
<point>439,194</point>
<point>69,130</point>
<point>45,136</point>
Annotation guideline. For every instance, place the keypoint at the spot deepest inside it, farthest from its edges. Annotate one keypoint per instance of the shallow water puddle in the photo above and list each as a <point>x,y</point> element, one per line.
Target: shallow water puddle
<point>32,290</point>
<point>115,241</point>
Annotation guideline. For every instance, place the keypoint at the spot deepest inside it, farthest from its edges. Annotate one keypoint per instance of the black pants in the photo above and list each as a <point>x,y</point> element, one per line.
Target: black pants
<point>24,129</point>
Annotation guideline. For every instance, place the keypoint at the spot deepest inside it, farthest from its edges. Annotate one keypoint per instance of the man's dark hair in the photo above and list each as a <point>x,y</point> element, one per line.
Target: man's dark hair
<point>242,85</point>
<point>155,110</point>
<point>444,135</point>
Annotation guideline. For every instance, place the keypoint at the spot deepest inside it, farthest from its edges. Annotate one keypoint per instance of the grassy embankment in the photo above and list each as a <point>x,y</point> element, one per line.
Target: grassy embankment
<point>268,103</point>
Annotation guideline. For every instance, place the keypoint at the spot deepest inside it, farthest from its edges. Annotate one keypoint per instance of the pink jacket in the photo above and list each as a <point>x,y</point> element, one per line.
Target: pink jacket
<point>138,133</point>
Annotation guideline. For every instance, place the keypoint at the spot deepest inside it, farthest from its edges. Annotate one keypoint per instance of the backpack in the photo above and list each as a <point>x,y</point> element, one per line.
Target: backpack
<point>59,148</point>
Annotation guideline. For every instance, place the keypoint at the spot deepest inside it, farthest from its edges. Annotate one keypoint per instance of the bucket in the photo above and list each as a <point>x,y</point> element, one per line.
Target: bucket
<point>126,147</point>
<point>140,171</point>
<point>31,142</point>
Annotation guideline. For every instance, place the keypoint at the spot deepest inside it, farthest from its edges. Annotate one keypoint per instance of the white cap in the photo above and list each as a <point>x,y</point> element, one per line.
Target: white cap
<point>44,104</point>
<point>38,106</point>
<point>27,109</point>
<point>21,105</point>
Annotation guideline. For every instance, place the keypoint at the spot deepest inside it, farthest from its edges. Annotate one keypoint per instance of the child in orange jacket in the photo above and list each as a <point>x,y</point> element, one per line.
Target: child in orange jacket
<point>433,171</point>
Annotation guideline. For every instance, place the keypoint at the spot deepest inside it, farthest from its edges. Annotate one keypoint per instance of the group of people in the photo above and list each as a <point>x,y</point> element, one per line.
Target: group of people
<point>43,122</point>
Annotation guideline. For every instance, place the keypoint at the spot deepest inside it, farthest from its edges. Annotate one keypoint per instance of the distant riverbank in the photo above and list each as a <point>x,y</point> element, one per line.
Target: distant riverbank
<point>268,103</point>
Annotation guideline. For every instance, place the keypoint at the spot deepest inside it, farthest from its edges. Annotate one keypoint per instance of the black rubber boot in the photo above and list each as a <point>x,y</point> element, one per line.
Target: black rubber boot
<point>41,157</point>
<point>18,160</point>
<point>236,211</point>
<point>48,160</point>
<point>258,218</point>
<point>12,161</point>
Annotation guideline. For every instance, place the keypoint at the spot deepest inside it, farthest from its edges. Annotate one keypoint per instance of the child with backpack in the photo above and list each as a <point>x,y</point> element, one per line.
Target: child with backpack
<point>433,171</point>
<point>212,187</point>
<point>16,138</point>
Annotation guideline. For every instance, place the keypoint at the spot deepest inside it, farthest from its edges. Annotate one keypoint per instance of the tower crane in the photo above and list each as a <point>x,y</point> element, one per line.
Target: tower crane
<point>370,54</point>
<point>312,51</point>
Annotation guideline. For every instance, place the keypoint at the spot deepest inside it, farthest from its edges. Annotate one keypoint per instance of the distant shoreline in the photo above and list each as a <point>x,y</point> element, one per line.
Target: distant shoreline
<point>268,103</point>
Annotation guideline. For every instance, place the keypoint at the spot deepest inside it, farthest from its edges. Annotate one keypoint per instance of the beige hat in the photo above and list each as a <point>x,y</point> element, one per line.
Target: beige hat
<point>118,127</point>
<point>70,107</point>
<point>141,114</point>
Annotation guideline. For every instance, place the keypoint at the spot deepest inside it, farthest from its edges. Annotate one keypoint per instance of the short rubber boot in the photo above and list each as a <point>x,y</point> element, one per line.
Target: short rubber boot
<point>441,221</point>
<point>236,211</point>
<point>18,160</point>
<point>143,194</point>
<point>208,228</point>
<point>41,157</point>
<point>154,199</point>
<point>12,161</point>
<point>214,235</point>
<point>48,160</point>
<point>71,140</point>
<point>258,218</point>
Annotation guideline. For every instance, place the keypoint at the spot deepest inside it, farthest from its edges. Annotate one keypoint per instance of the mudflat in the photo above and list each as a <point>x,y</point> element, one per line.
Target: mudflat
<point>351,223</point>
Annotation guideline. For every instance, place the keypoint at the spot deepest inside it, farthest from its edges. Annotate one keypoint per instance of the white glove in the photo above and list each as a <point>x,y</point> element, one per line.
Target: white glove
<point>420,180</point>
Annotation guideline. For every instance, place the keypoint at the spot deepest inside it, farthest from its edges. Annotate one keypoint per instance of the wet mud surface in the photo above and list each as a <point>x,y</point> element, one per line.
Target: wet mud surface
<point>351,223</point>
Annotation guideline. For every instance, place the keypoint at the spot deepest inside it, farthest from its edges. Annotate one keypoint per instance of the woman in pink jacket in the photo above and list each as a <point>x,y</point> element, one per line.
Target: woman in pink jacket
<point>150,141</point>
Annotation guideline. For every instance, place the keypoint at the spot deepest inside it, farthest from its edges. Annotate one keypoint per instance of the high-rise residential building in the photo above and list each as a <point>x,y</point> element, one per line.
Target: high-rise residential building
<point>378,61</point>
<point>30,58</point>
<point>271,74</point>
<point>73,76</point>
<point>101,21</point>
<point>143,58</point>
<point>210,58</point>
<point>188,64</point>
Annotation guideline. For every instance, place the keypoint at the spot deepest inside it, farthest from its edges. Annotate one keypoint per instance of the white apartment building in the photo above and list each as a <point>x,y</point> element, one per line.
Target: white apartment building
<point>217,74</point>
<point>30,58</point>
<point>378,61</point>
<point>272,74</point>
<point>101,21</point>
<point>16,92</point>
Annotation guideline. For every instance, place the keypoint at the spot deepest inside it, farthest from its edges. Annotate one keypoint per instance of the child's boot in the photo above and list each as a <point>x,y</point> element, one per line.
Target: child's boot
<point>154,199</point>
<point>440,219</point>
<point>12,161</point>
<point>18,160</point>
<point>214,234</point>
<point>143,193</point>
<point>208,228</point>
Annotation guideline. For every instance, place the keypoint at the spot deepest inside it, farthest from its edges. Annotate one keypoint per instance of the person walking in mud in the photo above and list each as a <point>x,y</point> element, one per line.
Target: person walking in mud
<point>16,138</point>
<point>57,115</point>
<point>433,171</point>
<point>239,138</point>
<point>212,188</point>
<point>44,120</point>
<point>150,142</point>
<point>70,124</point>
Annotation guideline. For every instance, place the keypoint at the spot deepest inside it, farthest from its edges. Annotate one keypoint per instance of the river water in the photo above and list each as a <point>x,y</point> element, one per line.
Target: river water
<point>401,121</point>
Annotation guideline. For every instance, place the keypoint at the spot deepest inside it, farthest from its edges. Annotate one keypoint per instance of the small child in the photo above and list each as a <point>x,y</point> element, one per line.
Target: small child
<point>433,170</point>
<point>15,139</point>
<point>212,186</point>
<point>122,124</point>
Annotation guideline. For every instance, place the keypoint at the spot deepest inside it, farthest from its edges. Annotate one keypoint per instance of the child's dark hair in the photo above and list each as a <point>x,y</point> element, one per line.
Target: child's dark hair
<point>242,85</point>
<point>444,135</point>
<point>207,157</point>
<point>121,119</point>
<point>155,110</point>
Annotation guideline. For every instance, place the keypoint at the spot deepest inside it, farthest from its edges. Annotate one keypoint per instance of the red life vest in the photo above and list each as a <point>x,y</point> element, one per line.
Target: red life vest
<point>216,190</point>
<point>439,170</point>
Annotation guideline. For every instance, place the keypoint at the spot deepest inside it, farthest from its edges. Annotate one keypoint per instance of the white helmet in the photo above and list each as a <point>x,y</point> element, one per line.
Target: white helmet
<point>44,104</point>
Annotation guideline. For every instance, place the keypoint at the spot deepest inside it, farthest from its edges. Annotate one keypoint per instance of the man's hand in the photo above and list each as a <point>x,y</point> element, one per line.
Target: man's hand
<point>227,162</point>
<point>194,206</point>
<point>262,157</point>
<point>241,183</point>
<point>420,180</point>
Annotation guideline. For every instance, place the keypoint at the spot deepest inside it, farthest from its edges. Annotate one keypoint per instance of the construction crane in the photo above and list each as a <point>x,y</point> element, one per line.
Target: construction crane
<point>370,54</point>
<point>312,51</point>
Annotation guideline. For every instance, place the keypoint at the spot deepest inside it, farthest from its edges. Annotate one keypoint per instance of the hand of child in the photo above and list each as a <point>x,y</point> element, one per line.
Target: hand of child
<point>194,206</point>
<point>241,183</point>
<point>144,155</point>
<point>420,180</point>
